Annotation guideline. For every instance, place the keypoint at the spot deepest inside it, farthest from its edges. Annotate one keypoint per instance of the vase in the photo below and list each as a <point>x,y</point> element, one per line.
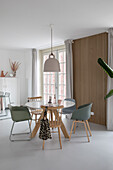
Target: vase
<point>14,74</point>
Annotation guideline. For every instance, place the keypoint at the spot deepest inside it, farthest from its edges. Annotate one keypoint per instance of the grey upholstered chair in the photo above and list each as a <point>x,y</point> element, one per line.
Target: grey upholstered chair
<point>19,114</point>
<point>81,115</point>
<point>71,109</point>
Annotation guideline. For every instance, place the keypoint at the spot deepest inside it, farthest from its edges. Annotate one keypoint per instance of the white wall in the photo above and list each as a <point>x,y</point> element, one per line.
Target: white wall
<point>24,73</point>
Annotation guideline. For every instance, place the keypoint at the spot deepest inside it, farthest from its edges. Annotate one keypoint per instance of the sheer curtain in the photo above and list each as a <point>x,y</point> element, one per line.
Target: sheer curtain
<point>34,73</point>
<point>69,69</point>
<point>110,81</point>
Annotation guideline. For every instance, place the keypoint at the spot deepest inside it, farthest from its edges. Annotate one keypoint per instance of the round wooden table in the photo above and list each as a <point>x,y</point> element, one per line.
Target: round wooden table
<point>38,104</point>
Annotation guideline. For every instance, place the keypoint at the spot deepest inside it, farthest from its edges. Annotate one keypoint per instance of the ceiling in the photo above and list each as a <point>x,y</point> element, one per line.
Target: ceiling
<point>25,23</point>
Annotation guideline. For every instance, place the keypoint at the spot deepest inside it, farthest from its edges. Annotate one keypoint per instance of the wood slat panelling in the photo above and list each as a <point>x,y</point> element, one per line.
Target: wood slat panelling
<point>90,81</point>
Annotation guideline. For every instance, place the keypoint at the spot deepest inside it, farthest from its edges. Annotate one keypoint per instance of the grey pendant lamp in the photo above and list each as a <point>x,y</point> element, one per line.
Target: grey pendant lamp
<point>51,64</point>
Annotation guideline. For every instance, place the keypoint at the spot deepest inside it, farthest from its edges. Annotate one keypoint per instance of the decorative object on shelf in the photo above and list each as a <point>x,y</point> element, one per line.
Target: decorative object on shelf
<point>59,102</point>
<point>11,75</point>
<point>14,74</point>
<point>50,99</point>
<point>54,100</point>
<point>51,64</point>
<point>14,66</point>
<point>2,74</point>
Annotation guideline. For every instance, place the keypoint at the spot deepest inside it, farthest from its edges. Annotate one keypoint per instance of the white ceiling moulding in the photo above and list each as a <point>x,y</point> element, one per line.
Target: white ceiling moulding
<point>87,34</point>
<point>74,37</point>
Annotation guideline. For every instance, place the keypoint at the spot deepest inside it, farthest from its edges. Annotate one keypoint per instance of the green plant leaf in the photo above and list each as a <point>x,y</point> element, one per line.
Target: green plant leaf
<point>109,94</point>
<point>106,68</point>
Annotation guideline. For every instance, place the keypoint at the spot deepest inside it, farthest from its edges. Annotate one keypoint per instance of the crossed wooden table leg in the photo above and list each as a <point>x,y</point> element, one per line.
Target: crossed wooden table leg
<point>35,130</point>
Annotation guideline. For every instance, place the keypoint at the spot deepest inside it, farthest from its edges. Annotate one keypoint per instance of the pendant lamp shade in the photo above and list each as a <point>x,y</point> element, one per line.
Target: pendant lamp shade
<point>51,64</point>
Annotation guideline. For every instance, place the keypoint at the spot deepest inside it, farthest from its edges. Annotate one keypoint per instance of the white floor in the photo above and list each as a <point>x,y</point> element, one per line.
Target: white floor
<point>76,154</point>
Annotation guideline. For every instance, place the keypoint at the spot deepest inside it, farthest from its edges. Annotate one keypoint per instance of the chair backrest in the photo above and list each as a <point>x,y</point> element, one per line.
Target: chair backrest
<point>69,99</point>
<point>69,110</point>
<point>54,111</point>
<point>34,98</point>
<point>52,108</point>
<point>84,111</point>
<point>19,113</point>
<point>85,105</point>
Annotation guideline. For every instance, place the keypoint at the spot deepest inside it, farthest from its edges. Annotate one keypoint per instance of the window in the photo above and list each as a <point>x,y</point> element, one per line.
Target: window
<point>55,83</point>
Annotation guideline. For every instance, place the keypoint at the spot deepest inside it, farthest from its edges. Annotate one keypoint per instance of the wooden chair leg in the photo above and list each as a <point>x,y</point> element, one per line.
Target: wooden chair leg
<point>88,127</point>
<point>61,115</point>
<point>43,144</point>
<point>52,118</point>
<point>35,119</point>
<point>59,137</point>
<point>1,103</point>
<point>86,131</point>
<point>49,116</point>
<point>31,120</point>
<point>71,130</point>
<point>75,127</point>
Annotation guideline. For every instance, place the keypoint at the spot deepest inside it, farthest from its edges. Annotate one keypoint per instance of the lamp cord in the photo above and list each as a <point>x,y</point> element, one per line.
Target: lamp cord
<point>51,40</point>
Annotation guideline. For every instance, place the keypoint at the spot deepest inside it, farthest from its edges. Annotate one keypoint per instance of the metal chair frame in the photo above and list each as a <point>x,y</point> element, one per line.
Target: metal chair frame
<point>12,134</point>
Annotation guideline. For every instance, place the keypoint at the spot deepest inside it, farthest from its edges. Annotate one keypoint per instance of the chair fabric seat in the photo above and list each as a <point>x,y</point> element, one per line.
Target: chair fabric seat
<point>20,113</point>
<point>21,116</point>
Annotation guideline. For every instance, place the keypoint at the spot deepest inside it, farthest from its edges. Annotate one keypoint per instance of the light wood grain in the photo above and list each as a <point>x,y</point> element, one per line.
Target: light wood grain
<point>35,111</point>
<point>75,127</point>
<point>83,122</point>
<point>59,137</point>
<point>35,130</point>
<point>43,144</point>
<point>55,120</point>
<point>86,131</point>
<point>90,81</point>
<point>88,128</point>
<point>71,130</point>
<point>35,98</point>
